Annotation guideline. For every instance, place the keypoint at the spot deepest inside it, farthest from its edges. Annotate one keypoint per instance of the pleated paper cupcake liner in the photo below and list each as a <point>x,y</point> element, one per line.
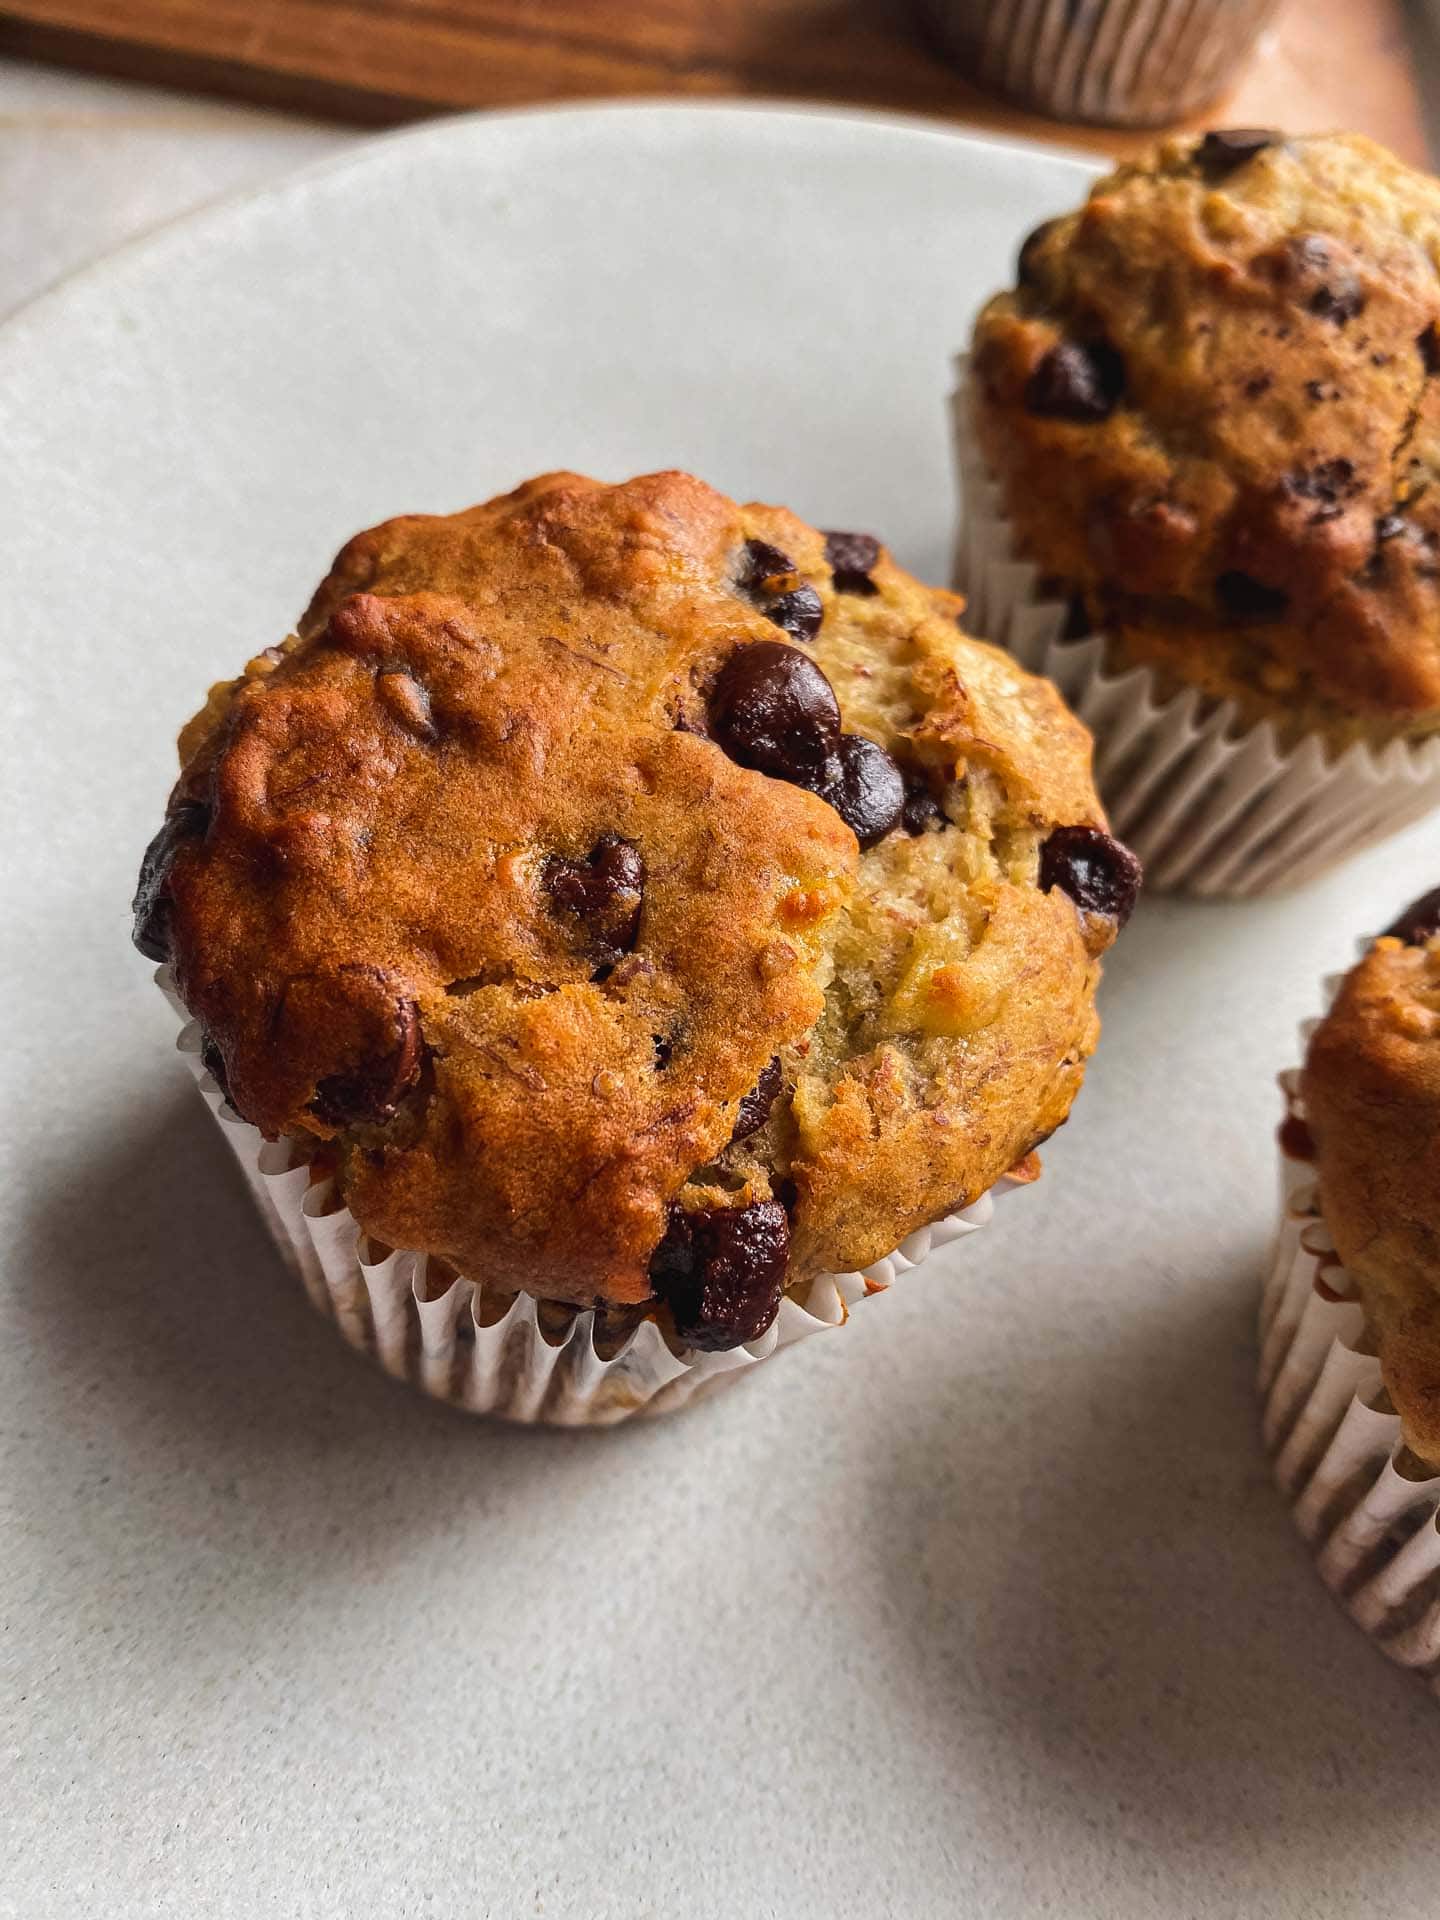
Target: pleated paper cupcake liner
<point>1369,1511</point>
<point>510,1355</point>
<point>1127,63</point>
<point>1212,806</point>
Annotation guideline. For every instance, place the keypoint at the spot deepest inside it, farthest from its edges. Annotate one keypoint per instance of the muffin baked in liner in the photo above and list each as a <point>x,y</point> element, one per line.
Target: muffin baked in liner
<point>557,922</point>
<point>1212,806</point>
<point>1368,1508</point>
<point>537,1362</point>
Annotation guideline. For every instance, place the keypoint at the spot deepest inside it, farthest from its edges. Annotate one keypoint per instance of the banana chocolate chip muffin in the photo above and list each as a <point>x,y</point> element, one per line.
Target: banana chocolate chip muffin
<point>637,899</point>
<point>1212,406</point>
<point>1370,1092</point>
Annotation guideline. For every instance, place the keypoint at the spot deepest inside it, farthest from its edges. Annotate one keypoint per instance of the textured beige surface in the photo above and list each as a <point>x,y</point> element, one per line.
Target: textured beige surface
<point>981,1606</point>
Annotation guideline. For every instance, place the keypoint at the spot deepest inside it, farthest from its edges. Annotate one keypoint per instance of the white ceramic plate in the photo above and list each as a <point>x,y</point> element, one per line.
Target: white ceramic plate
<point>981,1607</point>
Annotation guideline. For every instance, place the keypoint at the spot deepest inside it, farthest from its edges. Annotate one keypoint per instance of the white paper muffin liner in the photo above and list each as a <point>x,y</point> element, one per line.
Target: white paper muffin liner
<point>1211,806</point>
<point>533,1361</point>
<point>1366,1508</point>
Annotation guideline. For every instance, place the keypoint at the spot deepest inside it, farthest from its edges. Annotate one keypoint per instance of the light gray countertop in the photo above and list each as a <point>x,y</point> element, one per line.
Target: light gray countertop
<point>88,163</point>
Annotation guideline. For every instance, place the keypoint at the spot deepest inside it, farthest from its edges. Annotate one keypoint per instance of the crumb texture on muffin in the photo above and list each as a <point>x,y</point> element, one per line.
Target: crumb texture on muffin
<point>1211,401</point>
<point>1371,1092</point>
<point>637,891</point>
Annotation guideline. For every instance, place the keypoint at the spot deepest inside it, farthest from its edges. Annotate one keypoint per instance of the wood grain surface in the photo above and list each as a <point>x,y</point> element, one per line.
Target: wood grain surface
<point>1327,63</point>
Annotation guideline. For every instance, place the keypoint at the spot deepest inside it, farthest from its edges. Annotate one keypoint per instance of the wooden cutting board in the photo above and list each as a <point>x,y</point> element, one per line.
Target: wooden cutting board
<point>1328,63</point>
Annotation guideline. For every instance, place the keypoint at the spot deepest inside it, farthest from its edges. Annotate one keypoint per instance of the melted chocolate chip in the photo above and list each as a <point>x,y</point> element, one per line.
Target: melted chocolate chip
<point>851,556</point>
<point>863,784</point>
<point>1419,922</point>
<point>921,810</point>
<point>798,612</point>
<point>1329,481</point>
<point>1096,871</point>
<point>604,893</point>
<point>367,1095</point>
<point>765,569</point>
<point>755,1107</point>
<point>1225,149</point>
<point>1428,343</point>
<point>1076,382</point>
<point>721,1271</point>
<point>186,820</point>
<point>774,710</point>
<point>1244,597</point>
<point>769,577</point>
<point>1027,265</point>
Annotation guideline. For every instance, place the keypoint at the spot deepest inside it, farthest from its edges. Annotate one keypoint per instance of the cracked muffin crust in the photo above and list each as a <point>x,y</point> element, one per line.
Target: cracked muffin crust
<point>637,897</point>
<point>1371,1094</point>
<point>1212,405</point>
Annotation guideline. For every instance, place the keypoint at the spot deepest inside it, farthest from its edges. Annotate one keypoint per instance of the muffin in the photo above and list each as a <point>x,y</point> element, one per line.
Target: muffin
<point>1352,1349</point>
<point>1209,413</point>
<point>636,903</point>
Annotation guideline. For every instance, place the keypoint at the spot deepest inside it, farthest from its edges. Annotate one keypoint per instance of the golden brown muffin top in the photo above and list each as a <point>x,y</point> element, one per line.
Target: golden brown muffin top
<point>1371,1093</point>
<point>523,877</point>
<point>1212,403</point>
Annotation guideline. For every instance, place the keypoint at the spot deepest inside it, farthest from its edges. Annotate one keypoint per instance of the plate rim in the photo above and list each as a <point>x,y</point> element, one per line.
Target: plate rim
<point>371,150</point>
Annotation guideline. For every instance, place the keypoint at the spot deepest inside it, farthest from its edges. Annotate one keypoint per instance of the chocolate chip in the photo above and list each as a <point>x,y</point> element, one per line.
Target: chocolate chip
<point>1096,871</point>
<point>1338,303</point>
<point>1419,922</point>
<point>921,810</point>
<point>765,569</point>
<point>1316,273</point>
<point>851,556</point>
<point>367,1095</point>
<point>1223,150</point>
<point>798,612</point>
<point>604,892</point>
<point>1329,481</point>
<point>1244,597</point>
<point>1257,384</point>
<point>1027,265</point>
<point>774,710</point>
<point>769,577</point>
<point>1330,288</point>
<point>863,784</point>
<point>1075,382</point>
<point>185,820</point>
<point>755,1107</point>
<point>1428,341</point>
<point>721,1271</point>
<point>664,1048</point>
